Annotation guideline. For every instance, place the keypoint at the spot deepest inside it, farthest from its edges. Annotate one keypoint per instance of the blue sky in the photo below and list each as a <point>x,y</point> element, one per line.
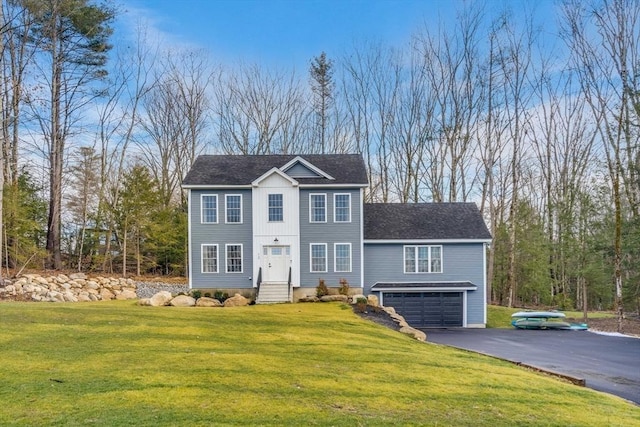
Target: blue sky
<point>289,33</point>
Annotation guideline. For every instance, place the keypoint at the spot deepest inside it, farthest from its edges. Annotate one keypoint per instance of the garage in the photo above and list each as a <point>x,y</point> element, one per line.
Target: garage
<point>427,304</point>
<point>427,309</point>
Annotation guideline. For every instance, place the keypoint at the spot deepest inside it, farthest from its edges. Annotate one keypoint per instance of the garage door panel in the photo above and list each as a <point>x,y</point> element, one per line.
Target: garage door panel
<point>428,309</point>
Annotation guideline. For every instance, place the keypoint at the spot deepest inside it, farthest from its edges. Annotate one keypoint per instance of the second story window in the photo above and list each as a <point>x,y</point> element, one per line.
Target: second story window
<point>342,207</point>
<point>275,208</point>
<point>317,208</point>
<point>423,259</point>
<point>209,208</point>
<point>234,208</point>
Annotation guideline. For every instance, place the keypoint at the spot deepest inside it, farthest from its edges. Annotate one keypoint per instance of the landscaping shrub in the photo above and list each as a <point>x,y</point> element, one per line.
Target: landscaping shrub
<point>196,293</point>
<point>221,296</point>
<point>361,305</point>
<point>344,287</point>
<point>321,289</point>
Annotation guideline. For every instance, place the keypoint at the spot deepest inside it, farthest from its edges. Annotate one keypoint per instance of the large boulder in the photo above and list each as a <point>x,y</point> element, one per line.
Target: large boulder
<point>236,301</point>
<point>183,301</point>
<point>331,298</point>
<point>160,299</point>
<point>208,302</point>
<point>106,294</point>
<point>372,300</point>
<point>356,297</point>
<point>126,294</point>
<point>419,335</point>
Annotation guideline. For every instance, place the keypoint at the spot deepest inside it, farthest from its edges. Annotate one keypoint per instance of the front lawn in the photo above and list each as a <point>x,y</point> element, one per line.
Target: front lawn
<point>115,363</point>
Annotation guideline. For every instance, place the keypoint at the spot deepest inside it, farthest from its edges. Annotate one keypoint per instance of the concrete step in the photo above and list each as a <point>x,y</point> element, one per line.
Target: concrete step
<point>271,293</point>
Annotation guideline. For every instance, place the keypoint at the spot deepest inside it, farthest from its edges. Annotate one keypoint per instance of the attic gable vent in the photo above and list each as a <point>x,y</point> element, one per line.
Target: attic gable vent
<point>300,168</point>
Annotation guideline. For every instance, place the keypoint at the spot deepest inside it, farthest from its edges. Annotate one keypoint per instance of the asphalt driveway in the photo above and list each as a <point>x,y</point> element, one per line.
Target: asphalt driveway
<point>607,363</point>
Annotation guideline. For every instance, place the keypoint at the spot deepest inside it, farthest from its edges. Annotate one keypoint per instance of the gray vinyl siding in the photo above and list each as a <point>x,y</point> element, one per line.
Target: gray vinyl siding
<point>330,233</point>
<point>221,234</point>
<point>460,262</point>
<point>299,170</point>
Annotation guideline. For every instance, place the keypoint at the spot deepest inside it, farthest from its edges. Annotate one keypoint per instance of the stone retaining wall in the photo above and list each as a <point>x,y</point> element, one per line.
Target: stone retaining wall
<point>68,288</point>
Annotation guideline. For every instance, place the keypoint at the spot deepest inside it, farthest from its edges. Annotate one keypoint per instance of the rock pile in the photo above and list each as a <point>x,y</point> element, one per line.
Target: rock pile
<point>163,298</point>
<point>72,288</point>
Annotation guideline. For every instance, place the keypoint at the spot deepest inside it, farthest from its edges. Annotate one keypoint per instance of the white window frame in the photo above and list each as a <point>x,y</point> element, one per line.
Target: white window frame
<point>226,208</point>
<point>202,217</point>
<point>269,207</point>
<point>226,257</point>
<point>326,258</point>
<point>335,258</point>
<point>311,208</point>
<point>417,263</point>
<point>202,246</point>
<point>335,207</point>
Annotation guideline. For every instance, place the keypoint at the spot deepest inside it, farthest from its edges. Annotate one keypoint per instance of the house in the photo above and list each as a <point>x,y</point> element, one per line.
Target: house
<point>273,226</point>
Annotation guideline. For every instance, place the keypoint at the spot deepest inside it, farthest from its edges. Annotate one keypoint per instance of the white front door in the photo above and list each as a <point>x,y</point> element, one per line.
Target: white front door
<point>275,263</point>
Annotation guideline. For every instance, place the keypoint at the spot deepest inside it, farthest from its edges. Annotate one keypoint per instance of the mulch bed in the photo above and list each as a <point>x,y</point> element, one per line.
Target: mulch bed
<point>377,315</point>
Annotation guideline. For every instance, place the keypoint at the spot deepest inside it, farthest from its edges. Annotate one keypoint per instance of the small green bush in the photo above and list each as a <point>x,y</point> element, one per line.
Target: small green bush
<point>196,293</point>
<point>361,305</point>
<point>221,296</point>
<point>321,289</point>
<point>207,294</point>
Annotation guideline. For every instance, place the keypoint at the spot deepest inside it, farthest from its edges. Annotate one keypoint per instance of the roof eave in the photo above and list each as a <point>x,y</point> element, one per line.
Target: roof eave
<point>398,241</point>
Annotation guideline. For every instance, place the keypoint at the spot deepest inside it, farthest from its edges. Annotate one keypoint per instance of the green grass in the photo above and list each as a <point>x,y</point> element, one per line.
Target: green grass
<point>115,363</point>
<point>500,317</point>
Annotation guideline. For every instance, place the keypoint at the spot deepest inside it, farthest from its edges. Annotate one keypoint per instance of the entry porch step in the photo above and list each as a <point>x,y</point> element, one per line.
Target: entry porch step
<point>273,293</point>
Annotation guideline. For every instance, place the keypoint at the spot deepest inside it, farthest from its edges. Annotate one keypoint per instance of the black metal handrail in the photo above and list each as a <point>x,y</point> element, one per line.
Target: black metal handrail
<point>289,286</point>
<point>258,282</point>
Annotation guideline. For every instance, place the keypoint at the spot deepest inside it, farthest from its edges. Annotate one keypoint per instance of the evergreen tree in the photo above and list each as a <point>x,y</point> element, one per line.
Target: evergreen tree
<point>71,36</point>
<point>322,85</point>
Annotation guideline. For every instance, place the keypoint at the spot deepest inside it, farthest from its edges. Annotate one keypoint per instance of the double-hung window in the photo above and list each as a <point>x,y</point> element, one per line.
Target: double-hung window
<point>423,259</point>
<point>234,258</point>
<point>317,208</point>
<point>209,258</point>
<point>275,208</point>
<point>318,257</point>
<point>342,255</point>
<point>209,208</point>
<point>342,207</point>
<point>233,204</point>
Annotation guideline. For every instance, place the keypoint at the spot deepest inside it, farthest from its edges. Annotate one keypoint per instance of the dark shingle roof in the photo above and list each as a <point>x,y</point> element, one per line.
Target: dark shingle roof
<point>422,285</point>
<point>244,169</point>
<point>413,221</point>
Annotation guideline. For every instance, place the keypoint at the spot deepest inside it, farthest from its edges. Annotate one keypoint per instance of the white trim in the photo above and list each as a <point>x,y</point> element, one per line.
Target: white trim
<point>272,171</point>
<point>226,208</point>
<point>326,257</point>
<point>423,241</point>
<point>214,187</point>
<point>202,245</point>
<point>484,279</point>
<point>425,289</point>
<point>311,219</point>
<point>202,221</point>
<point>246,186</point>
<point>190,240</point>
<point>306,164</point>
<point>335,205</point>
<point>226,255</point>
<point>335,258</point>
<point>361,205</point>
<point>324,186</point>
<point>417,259</point>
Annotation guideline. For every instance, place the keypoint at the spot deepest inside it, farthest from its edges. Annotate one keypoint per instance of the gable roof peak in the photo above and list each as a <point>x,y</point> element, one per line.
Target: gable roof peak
<point>300,160</point>
<point>271,172</point>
